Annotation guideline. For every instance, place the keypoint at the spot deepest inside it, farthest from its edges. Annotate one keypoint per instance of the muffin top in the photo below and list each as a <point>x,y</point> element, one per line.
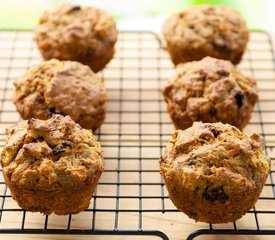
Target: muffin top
<point>73,31</point>
<point>211,90</point>
<point>65,87</point>
<point>214,28</point>
<point>50,154</point>
<point>217,160</point>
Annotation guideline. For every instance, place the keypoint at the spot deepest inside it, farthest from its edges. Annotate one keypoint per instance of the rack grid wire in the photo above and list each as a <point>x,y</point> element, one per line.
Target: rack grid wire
<point>131,198</point>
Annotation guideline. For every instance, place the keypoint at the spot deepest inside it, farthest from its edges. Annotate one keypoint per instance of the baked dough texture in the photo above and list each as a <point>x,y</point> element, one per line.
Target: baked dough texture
<point>64,87</point>
<point>210,90</point>
<point>213,172</point>
<point>51,166</point>
<point>79,33</point>
<point>206,30</point>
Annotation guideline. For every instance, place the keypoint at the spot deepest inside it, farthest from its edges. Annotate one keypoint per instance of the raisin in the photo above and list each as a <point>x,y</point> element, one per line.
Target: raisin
<point>214,193</point>
<point>40,138</point>
<point>214,131</point>
<point>89,52</point>
<point>191,161</point>
<point>75,8</point>
<point>52,111</point>
<point>223,72</point>
<point>239,96</point>
<point>220,47</point>
<point>62,147</point>
<point>213,111</point>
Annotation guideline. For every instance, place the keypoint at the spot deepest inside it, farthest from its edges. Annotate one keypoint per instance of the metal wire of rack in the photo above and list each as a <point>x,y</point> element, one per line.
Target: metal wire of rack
<point>131,198</point>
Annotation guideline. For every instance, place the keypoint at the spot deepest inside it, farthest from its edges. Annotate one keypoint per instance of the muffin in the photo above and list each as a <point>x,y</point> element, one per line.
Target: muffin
<point>207,30</point>
<point>213,172</point>
<point>79,33</point>
<point>51,165</point>
<point>210,90</point>
<point>63,87</point>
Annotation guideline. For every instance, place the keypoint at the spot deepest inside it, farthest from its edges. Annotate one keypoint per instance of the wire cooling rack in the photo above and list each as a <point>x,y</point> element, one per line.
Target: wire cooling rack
<point>131,198</point>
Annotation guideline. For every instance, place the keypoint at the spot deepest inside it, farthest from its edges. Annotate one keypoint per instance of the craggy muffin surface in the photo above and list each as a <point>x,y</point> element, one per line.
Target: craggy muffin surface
<point>213,172</point>
<point>65,87</point>
<point>210,90</point>
<point>207,30</point>
<point>51,165</point>
<point>80,33</point>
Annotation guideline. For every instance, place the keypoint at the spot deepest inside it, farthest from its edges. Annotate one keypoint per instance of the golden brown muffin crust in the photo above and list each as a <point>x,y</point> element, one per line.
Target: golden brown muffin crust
<point>207,30</point>
<point>52,165</point>
<point>80,33</point>
<point>210,90</point>
<point>64,87</point>
<point>213,172</point>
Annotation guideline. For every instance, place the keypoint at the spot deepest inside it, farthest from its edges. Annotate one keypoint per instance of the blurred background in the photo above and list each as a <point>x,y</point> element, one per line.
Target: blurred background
<point>135,14</point>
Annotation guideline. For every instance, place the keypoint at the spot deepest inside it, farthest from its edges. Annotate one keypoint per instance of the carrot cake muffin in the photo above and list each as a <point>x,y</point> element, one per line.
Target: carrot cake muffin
<point>210,90</point>
<point>64,87</point>
<point>78,33</point>
<point>213,172</point>
<point>207,30</point>
<point>51,165</point>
